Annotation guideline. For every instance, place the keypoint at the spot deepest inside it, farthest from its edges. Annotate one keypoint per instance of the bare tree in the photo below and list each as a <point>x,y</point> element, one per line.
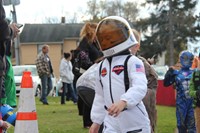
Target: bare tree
<point>111,9</point>
<point>119,7</point>
<point>93,9</point>
<point>101,9</point>
<point>130,11</point>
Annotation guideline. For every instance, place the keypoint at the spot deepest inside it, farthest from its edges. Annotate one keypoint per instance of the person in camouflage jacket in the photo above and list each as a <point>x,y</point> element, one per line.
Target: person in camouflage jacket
<point>194,92</point>
<point>45,72</point>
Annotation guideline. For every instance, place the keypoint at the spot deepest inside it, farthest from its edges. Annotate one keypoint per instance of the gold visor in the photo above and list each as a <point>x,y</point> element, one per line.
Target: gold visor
<point>111,32</point>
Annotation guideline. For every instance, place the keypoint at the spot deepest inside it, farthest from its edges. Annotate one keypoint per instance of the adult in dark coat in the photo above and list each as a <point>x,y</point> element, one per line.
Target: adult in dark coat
<point>89,53</point>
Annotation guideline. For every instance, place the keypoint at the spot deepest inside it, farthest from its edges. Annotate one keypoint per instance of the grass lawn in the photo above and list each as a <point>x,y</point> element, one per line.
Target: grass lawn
<point>56,118</point>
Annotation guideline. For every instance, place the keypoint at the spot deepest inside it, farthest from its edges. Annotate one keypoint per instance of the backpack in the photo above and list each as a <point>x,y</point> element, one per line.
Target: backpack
<point>81,63</point>
<point>126,78</point>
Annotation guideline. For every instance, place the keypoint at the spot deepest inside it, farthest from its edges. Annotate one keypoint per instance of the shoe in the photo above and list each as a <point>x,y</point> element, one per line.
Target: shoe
<point>75,103</point>
<point>45,103</point>
<point>42,101</point>
<point>62,103</point>
<point>67,99</point>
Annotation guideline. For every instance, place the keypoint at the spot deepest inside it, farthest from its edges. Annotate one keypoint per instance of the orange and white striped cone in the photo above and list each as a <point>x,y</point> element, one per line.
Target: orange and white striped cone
<point>26,121</point>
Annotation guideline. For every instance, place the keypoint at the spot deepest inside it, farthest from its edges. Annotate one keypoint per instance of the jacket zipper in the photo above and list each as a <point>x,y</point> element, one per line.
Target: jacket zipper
<point>110,60</point>
<point>140,109</point>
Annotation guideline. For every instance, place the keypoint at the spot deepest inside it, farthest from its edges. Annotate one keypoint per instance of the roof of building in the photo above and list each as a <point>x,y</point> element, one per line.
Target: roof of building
<point>41,33</point>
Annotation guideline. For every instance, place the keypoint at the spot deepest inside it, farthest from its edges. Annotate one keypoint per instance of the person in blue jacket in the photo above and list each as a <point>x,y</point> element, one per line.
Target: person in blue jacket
<point>181,78</point>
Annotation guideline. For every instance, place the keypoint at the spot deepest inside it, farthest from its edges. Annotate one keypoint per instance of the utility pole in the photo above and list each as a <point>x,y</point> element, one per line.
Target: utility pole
<point>16,40</point>
<point>170,43</point>
<point>14,17</point>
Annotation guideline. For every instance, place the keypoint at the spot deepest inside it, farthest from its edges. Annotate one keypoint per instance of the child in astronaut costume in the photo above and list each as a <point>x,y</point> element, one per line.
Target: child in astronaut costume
<point>121,111</point>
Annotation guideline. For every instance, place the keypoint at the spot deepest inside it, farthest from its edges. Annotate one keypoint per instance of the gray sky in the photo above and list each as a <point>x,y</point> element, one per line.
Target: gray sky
<point>34,11</point>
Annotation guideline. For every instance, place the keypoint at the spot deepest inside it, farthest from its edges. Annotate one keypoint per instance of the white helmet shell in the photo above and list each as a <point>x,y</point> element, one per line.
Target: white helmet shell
<point>114,35</point>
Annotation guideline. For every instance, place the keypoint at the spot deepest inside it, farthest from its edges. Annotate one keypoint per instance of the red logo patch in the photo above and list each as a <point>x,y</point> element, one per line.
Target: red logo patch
<point>118,69</point>
<point>103,72</point>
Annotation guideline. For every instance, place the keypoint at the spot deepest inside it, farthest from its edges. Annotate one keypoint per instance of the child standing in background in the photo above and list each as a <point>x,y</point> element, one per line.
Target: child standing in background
<point>181,79</point>
<point>67,78</point>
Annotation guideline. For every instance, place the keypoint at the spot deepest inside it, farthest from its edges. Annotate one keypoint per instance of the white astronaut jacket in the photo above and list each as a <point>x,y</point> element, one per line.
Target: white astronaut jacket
<point>112,90</point>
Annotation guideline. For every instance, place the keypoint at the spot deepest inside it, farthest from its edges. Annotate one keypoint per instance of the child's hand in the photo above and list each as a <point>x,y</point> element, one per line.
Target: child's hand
<point>4,124</point>
<point>116,108</point>
<point>94,128</point>
<point>15,29</point>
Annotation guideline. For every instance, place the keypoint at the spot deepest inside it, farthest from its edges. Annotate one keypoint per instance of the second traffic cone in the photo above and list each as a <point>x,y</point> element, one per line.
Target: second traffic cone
<point>26,121</point>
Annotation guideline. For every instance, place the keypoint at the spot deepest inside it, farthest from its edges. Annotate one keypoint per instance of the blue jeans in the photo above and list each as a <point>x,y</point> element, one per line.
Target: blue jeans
<point>67,87</point>
<point>46,87</point>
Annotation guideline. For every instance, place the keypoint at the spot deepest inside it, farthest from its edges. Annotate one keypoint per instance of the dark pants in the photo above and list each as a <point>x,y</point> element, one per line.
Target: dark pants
<point>2,80</point>
<point>86,116</point>
<point>46,87</point>
<point>86,96</point>
<point>84,110</point>
<point>79,102</point>
<point>68,88</point>
<point>85,100</point>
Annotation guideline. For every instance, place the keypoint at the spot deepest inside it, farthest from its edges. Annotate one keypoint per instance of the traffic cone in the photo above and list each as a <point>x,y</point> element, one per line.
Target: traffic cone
<point>26,121</point>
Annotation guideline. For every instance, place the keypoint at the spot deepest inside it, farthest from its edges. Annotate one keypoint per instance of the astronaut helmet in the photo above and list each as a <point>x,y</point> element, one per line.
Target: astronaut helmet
<point>114,35</point>
<point>186,59</point>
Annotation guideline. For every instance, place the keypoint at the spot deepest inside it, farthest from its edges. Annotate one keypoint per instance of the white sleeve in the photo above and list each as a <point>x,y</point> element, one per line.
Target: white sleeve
<point>98,111</point>
<point>63,69</point>
<point>138,83</point>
